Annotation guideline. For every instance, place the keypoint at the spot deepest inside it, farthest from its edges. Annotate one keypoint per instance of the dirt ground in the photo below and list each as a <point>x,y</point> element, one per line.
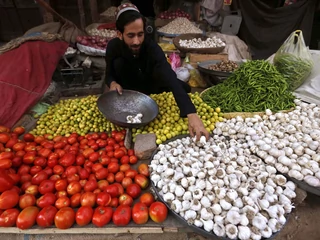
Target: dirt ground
<point>303,224</point>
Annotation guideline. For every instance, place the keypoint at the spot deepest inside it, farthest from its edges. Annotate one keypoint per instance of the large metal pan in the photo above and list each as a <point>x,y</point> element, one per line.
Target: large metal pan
<point>116,107</point>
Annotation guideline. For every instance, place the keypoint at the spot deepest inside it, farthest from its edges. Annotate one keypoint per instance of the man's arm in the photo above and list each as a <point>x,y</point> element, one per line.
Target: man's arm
<point>163,70</point>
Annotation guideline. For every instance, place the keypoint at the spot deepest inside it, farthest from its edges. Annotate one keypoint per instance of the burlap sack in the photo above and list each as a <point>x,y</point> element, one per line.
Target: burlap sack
<point>68,31</point>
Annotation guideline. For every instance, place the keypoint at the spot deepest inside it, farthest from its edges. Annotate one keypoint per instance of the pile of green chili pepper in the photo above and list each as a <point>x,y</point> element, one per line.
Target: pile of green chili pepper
<point>254,87</point>
<point>295,69</point>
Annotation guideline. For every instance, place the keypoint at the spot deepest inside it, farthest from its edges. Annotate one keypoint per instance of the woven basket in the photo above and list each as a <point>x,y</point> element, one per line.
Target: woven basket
<point>244,114</point>
<point>189,36</point>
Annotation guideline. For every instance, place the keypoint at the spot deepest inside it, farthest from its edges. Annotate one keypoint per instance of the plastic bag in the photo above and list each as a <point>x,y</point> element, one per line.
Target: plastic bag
<point>175,61</point>
<point>195,77</point>
<point>293,60</point>
<point>183,74</point>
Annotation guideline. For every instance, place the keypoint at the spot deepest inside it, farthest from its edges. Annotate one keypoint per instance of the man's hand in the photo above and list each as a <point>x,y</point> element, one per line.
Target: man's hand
<point>196,126</point>
<point>114,86</point>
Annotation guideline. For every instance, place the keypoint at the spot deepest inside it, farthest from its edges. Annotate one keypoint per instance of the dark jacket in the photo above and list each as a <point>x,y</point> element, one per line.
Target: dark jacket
<point>149,73</point>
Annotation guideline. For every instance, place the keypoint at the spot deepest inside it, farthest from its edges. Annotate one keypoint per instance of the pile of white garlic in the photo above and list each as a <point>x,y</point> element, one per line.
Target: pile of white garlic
<point>222,187</point>
<point>287,141</point>
<point>134,118</point>
<point>180,25</point>
<point>106,33</point>
<point>213,42</point>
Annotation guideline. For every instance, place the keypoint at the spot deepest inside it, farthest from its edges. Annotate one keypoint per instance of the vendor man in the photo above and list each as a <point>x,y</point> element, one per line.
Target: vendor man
<point>137,63</point>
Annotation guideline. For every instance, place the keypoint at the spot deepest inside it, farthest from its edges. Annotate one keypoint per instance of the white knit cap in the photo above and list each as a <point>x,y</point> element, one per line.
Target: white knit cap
<point>125,7</point>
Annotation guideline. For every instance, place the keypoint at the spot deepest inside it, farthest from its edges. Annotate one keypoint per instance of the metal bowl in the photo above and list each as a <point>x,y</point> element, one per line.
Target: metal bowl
<point>203,67</point>
<point>116,107</point>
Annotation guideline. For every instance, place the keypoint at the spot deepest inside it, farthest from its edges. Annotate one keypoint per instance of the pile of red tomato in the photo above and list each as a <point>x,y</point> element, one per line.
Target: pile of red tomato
<point>60,181</point>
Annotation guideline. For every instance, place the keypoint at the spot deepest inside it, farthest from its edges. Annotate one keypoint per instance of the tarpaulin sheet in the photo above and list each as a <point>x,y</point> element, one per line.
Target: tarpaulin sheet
<point>25,75</point>
<point>264,29</point>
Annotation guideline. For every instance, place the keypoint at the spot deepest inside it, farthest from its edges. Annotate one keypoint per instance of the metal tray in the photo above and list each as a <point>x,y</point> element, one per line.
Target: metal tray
<point>197,230</point>
<point>203,67</point>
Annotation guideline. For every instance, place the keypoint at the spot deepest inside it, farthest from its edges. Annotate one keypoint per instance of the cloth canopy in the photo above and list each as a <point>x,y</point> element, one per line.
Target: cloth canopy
<point>25,75</point>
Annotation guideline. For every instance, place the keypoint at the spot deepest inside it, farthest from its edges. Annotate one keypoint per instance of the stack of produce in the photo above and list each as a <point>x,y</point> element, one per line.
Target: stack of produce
<point>169,124</point>
<point>254,87</point>
<point>224,66</point>
<point>179,26</point>
<point>222,187</point>
<point>287,141</point>
<point>79,115</point>
<point>93,41</point>
<point>213,42</point>
<point>103,33</point>
<point>174,14</point>
<point>75,179</point>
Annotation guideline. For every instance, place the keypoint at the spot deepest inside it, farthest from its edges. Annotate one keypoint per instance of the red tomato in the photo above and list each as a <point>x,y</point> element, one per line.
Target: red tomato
<point>59,145</point>
<point>118,153</point>
<point>113,190</point>
<point>39,177</point>
<point>9,217</point>
<point>141,180</point>
<point>109,148</point>
<point>125,159</point>
<point>27,217</point>
<point>46,186</point>
<point>133,190</point>
<point>61,194</point>
<point>6,182</point>
<point>83,182</point>
<point>53,161</point>
<point>120,188</point>
<point>104,136</point>
<point>93,157</point>
<point>147,199</point>
<point>119,177</point>
<point>4,137</point>
<point>55,177</point>
<point>103,199</point>
<point>5,163</point>
<point>122,215</point>
<point>15,177</point>
<point>39,139</point>
<point>114,202</point>
<point>64,218</point>
<point>102,173</point>
<point>83,173</point>
<point>158,212</point>
<point>5,155</point>
<point>102,216</point>
<point>111,141</point>
<point>140,213</point>
<point>103,184</point>
<point>113,167</point>
<point>46,200</point>
<point>73,178</point>
<point>90,186</point>
<point>80,159</point>
<point>110,154</point>
<point>25,185</point>
<point>9,199</point>
<point>125,199</point>
<point>133,159</point>
<point>144,169</point>
<point>130,152</point>
<point>62,202</point>
<point>110,178</point>
<point>87,152</point>
<point>73,188</point>
<point>71,170</point>
<point>124,167</point>
<point>29,157</point>
<point>27,200</point>
<point>126,182</point>
<point>72,140</point>
<point>67,160</point>
<point>119,137</point>
<point>45,217</point>
<point>40,161</point>
<point>61,185</point>
<point>19,146</point>
<point>11,143</point>
<point>75,200</point>
<point>35,169</point>
<point>88,199</point>
<point>18,130</point>
<point>44,152</point>
<point>105,160</point>
<point>131,173</point>
<point>96,167</point>
<point>84,215</point>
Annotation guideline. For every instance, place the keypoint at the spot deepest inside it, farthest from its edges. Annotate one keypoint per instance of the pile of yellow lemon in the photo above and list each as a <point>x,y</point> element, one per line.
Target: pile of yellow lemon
<point>169,124</point>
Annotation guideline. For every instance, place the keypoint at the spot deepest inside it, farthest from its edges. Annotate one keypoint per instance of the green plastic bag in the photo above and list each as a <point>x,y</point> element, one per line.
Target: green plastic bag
<point>293,60</point>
